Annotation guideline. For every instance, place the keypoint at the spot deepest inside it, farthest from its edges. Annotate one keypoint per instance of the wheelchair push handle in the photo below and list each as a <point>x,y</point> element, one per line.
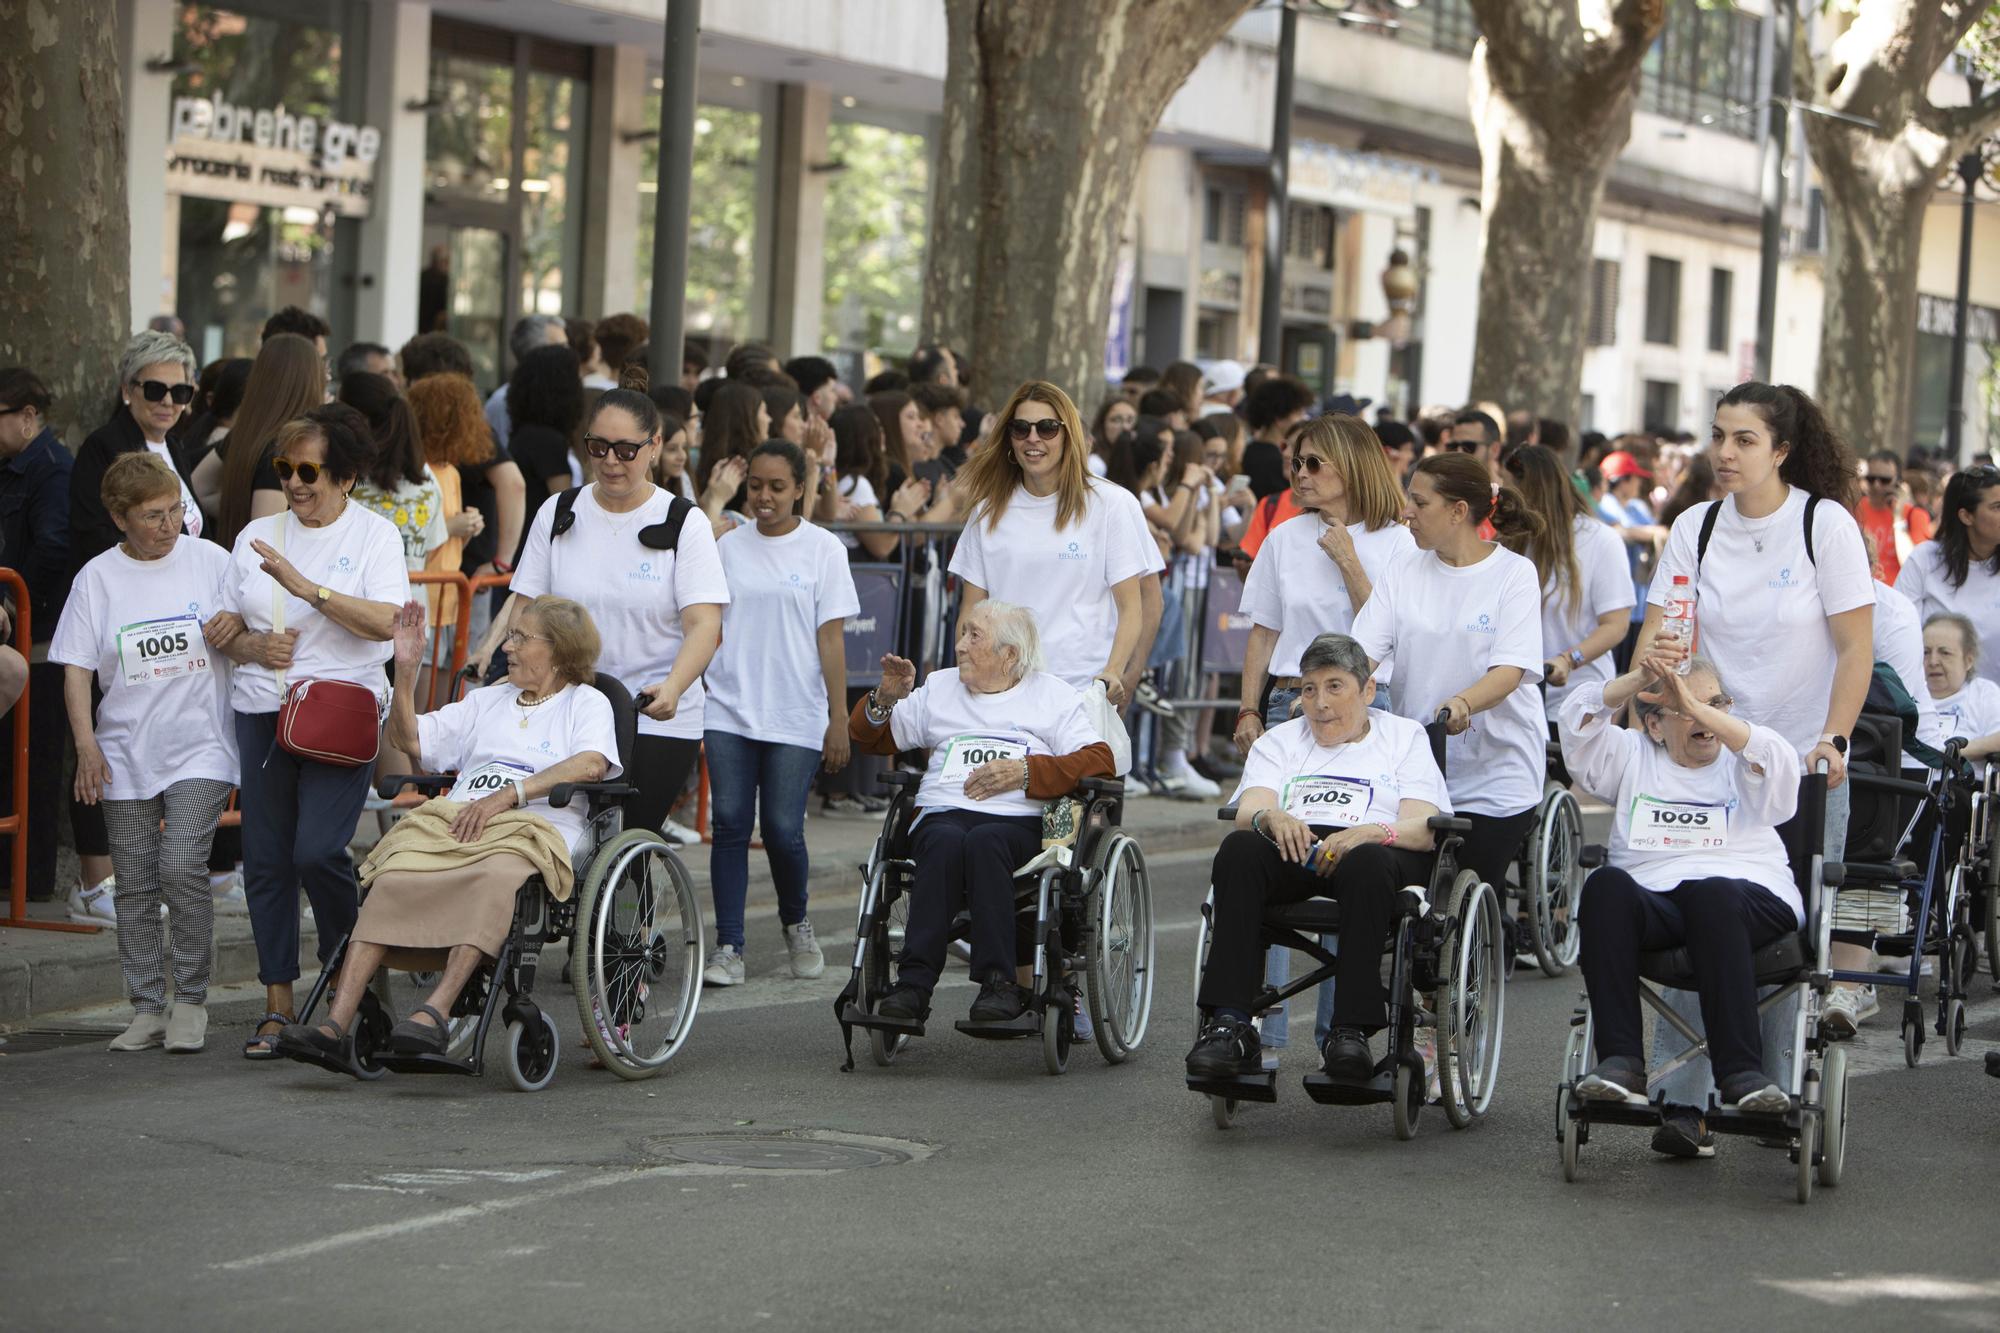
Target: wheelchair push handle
<point>429,784</point>
<point>562,793</point>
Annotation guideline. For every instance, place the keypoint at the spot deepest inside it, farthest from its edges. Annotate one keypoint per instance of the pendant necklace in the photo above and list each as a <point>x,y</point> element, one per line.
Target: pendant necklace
<point>527,709</point>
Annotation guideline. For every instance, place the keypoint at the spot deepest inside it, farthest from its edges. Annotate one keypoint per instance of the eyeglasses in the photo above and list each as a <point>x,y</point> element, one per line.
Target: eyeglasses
<point>1880,481</point>
<point>307,472</point>
<point>515,638</point>
<point>627,450</point>
<point>1307,463</point>
<point>162,518</point>
<point>155,390</point>
<point>1048,428</point>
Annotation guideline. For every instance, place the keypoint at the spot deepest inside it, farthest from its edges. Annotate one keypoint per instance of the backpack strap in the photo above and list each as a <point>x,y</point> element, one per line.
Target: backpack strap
<point>1707,531</point>
<point>666,535</point>
<point>1812,503</point>
<point>565,512</point>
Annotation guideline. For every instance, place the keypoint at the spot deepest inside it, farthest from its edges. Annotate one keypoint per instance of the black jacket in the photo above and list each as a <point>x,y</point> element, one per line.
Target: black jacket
<point>34,519</point>
<point>91,531</point>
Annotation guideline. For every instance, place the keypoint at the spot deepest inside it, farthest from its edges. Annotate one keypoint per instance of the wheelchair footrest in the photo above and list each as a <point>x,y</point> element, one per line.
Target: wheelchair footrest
<point>1261,1087</point>
<point>855,1016</point>
<point>1341,1092</point>
<point>312,1055</point>
<point>1028,1024</point>
<point>416,1062</point>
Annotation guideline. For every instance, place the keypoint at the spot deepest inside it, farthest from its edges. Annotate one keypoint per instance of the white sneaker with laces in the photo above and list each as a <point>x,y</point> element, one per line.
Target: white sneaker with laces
<point>807,960</point>
<point>680,835</point>
<point>1842,1014</point>
<point>94,906</point>
<point>725,968</point>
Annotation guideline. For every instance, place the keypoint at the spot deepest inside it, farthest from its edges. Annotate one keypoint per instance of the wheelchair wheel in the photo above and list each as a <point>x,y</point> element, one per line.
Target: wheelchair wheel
<point>1954,1026</point>
<point>1409,1103</point>
<point>1223,1109</point>
<point>1989,876</point>
<point>1833,1118</point>
<point>1558,880</point>
<point>636,954</point>
<point>883,1047</point>
<point>1808,1140</point>
<point>1058,1031</point>
<point>371,1034</point>
<point>532,1052</point>
<point>1119,979</point>
<point>1477,996</point>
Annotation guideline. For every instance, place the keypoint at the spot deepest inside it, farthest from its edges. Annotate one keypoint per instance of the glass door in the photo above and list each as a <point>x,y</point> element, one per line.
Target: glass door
<point>465,292</point>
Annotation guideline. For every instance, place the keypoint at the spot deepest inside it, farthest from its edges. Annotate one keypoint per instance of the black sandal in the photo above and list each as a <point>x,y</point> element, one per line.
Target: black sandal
<point>413,1038</point>
<point>339,1044</point>
<point>264,1045</point>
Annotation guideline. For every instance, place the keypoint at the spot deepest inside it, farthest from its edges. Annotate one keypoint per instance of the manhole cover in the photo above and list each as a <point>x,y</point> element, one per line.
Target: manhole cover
<point>805,1150</point>
<point>29,1041</point>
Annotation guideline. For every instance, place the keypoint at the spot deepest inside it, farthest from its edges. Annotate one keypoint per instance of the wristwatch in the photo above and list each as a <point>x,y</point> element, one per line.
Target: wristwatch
<point>1838,742</point>
<point>1575,657</point>
<point>325,594</point>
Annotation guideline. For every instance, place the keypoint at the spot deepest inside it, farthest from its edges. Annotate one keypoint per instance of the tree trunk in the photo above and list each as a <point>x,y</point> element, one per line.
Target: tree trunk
<point>1552,107</point>
<point>65,233</point>
<point>1046,116</point>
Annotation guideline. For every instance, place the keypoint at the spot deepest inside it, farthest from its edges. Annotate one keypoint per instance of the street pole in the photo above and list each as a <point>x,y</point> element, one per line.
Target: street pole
<point>1771,184</point>
<point>671,201</point>
<point>1970,168</point>
<point>1271,328</point>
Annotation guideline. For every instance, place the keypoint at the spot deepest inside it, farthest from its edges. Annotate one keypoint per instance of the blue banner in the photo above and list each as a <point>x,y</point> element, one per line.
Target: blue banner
<point>873,630</point>
<point>1226,636</point>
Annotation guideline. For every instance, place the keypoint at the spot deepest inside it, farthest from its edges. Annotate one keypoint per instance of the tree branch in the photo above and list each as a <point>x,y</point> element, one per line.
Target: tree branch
<point>1961,125</point>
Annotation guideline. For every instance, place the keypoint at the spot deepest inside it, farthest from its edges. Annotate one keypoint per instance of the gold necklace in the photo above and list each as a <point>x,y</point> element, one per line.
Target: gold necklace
<point>528,708</point>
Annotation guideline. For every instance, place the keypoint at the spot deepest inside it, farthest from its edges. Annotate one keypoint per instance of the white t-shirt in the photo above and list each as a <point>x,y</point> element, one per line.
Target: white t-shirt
<point>137,624</point>
<point>1607,586</point>
<point>1295,588</point>
<point>1671,824</point>
<point>1899,641</point>
<point>1971,713</point>
<point>361,554</point>
<point>765,681</point>
<point>1065,577</point>
<point>634,593</point>
<point>1761,616</point>
<point>858,491</point>
<point>1447,627</point>
<point>1098,467</point>
<point>191,521</point>
<point>962,730</point>
<point>488,740</point>
<point>1924,582</point>
<point>1361,782</point>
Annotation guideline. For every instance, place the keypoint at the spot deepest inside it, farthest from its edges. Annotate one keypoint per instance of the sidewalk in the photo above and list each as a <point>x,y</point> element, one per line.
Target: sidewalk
<point>43,972</point>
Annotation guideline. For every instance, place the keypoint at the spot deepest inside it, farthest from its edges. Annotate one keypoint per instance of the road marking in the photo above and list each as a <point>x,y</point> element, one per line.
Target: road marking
<point>447,1175</point>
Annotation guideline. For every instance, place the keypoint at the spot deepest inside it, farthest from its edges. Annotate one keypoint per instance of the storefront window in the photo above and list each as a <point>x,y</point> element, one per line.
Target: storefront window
<point>877,217</point>
<point>469,145</point>
<point>722,222</point>
<point>550,246</point>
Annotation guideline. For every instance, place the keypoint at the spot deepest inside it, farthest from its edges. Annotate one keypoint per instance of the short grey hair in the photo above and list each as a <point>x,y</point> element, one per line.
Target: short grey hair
<point>1968,633</point>
<point>150,347</point>
<point>1339,651</point>
<point>1645,710</point>
<point>1013,627</point>
<point>532,331</point>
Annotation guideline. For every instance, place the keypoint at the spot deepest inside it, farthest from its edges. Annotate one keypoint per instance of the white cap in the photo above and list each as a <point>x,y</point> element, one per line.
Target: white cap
<point>1223,376</point>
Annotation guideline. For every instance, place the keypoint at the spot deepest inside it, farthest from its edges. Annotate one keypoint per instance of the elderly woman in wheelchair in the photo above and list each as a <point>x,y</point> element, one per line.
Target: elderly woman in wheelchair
<point>1004,736</point>
<point>1696,862</point>
<point>1336,803</point>
<point>441,886</point>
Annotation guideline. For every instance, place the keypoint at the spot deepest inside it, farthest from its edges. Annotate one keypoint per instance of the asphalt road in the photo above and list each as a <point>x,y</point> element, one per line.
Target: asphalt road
<point>968,1190</point>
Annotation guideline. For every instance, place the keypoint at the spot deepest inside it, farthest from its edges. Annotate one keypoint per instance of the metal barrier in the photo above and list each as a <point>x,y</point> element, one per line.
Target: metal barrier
<point>15,826</point>
<point>460,587</point>
<point>914,586</point>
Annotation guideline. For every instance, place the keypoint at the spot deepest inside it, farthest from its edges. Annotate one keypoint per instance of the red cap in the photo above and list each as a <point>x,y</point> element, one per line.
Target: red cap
<point>1620,465</point>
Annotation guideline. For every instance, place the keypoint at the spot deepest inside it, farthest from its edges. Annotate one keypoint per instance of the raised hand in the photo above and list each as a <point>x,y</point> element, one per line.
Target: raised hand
<point>899,677</point>
<point>409,625</point>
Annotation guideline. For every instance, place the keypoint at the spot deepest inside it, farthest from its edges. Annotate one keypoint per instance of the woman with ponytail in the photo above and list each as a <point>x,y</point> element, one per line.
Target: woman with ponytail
<point>1462,620</point>
<point>1586,591</point>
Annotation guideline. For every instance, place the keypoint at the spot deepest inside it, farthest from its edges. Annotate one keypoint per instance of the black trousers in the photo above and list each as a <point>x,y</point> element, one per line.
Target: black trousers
<point>1721,921</point>
<point>49,786</point>
<point>1250,875</point>
<point>660,769</point>
<point>1493,843</point>
<point>965,857</point>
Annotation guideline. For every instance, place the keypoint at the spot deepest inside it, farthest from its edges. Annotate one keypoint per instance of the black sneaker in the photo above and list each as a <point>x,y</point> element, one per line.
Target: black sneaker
<point>999,1000</point>
<point>1683,1134</point>
<point>1225,1049</point>
<point>1617,1078</point>
<point>1753,1090</point>
<point>1347,1056</point>
<point>904,1003</point>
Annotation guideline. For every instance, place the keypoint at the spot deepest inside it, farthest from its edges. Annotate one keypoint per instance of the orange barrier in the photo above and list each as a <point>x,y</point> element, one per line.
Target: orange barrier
<point>460,631</point>
<point>15,826</point>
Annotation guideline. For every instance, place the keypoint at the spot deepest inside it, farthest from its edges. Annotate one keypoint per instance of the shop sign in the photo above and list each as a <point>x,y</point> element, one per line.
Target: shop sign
<point>1367,182</point>
<point>1939,315</point>
<point>271,157</point>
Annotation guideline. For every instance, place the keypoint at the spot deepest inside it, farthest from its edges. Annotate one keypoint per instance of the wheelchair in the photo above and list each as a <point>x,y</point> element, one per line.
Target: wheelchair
<point>1983,850</point>
<point>1815,1121</point>
<point>1092,907</point>
<point>1548,876</point>
<point>635,936</point>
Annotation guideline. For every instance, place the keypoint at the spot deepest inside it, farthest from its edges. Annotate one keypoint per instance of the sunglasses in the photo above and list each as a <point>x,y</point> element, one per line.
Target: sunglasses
<point>627,450</point>
<point>1307,463</point>
<point>1463,446</point>
<point>1880,481</point>
<point>307,472</point>
<point>1048,428</point>
<point>155,390</point>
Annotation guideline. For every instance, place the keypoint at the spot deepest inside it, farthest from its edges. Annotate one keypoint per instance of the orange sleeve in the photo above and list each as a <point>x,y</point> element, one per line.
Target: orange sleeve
<point>1922,529</point>
<point>1053,775</point>
<point>868,737</point>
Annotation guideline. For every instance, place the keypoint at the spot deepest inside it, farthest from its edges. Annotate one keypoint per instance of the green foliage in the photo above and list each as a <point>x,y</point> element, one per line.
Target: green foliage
<point>877,219</point>
<point>722,220</point>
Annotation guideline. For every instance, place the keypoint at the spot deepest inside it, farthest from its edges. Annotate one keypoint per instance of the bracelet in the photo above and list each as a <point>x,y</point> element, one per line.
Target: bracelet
<point>501,567</point>
<point>520,795</point>
<point>1242,713</point>
<point>1025,775</point>
<point>1255,827</point>
<point>873,706</point>
<point>1388,834</point>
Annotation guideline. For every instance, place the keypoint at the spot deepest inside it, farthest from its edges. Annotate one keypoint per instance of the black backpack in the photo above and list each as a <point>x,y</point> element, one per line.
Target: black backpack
<point>1708,530</point>
<point>661,536</point>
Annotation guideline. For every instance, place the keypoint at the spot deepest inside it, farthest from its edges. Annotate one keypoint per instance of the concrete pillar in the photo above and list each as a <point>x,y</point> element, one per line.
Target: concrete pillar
<point>392,236</point>
<point>146,32</point>
<point>610,194</point>
<point>798,218</point>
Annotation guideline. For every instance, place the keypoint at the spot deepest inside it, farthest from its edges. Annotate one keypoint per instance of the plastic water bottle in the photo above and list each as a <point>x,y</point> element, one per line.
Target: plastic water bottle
<point>1678,626</point>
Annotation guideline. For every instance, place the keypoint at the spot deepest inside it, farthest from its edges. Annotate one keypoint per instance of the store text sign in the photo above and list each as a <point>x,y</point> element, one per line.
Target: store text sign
<point>271,157</point>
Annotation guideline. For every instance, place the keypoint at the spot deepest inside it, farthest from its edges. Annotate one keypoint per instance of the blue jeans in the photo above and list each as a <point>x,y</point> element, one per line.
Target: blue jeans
<point>738,769</point>
<point>1278,962</point>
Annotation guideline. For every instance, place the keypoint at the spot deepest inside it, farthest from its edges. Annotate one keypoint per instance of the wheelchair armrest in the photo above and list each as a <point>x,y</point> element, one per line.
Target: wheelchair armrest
<point>562,792</point>
<point>1594,855</point>
<point>1227,814</point>
<point>1448,824</point>
<point>895,779</point>
<point>1878,782</point>
<point>1833,874</point>
<point>1877,872</point>
<point>430,784</point>
<point>1101,786</point>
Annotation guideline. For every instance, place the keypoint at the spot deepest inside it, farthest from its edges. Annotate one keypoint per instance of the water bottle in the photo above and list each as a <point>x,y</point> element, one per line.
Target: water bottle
<point>1678,626</point>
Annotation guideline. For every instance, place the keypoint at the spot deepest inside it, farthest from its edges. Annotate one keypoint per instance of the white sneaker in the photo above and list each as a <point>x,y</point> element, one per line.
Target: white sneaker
<point>1167,784</point>
<point>807,960</point>
<point>1135,787</point>
<point>94,906</point>
<point>680,835</point>
<point>187,1028</point>
<point>1843,1012</point>
<point>145,1032</point>
<point>725,968</point>
<point>1193,786</point>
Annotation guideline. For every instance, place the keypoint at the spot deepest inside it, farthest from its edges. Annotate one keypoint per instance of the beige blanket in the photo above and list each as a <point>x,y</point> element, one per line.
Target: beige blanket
<point>421,840</point>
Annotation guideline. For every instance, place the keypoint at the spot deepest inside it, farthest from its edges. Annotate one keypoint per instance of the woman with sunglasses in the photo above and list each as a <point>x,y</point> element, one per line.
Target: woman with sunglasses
<point>158,758</point>
<point>1045,534</point>
<point>155,385</point>
<point>314,593</point>
<point>658,610</point>
<point>1959,572</point>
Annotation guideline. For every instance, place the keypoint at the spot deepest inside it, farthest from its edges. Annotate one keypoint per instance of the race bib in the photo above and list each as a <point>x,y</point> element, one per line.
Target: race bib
<point>487,779</point>
<point>169,648</point>
<point>1676,826</point>
<point>963,754</point>
<point>1322,799</point>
